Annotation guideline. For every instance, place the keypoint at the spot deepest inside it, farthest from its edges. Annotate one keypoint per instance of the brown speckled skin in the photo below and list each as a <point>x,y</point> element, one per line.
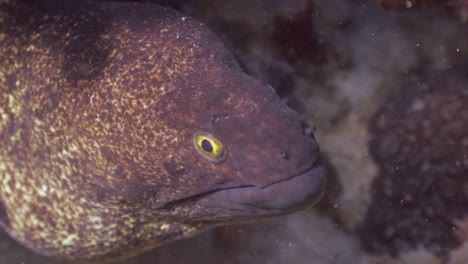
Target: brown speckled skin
<point>98,107</point>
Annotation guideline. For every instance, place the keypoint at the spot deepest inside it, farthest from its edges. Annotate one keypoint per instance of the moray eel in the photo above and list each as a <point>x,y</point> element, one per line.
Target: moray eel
<point>125,126</point>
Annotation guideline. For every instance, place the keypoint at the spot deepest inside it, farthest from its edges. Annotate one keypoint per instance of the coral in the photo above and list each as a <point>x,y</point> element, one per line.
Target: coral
<point>420,144</point>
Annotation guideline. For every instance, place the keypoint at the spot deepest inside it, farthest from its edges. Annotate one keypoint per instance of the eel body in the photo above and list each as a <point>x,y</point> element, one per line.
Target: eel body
<point>124,126</point>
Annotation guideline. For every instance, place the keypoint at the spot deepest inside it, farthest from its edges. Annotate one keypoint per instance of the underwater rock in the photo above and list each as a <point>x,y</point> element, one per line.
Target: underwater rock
<point>420,143</point>
<point>405,4</point>
<point>285,43</point>
<point>459,7</point>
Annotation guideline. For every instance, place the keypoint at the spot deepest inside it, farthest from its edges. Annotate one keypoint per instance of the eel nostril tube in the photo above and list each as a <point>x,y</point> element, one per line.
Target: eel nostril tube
<point>307,130</point>
<point>284,155</point>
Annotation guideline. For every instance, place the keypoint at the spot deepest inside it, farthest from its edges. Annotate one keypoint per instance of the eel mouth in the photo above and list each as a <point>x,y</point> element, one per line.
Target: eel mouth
<point>295,193</point>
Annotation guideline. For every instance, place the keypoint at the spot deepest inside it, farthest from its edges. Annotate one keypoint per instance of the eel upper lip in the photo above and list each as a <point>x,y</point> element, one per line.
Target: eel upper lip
<point>198,196</point>
<point>302,172</point>
<point>296,192</point>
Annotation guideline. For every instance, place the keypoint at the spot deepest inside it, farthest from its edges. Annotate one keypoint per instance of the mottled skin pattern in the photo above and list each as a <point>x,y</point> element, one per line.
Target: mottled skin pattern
<point>420,143</point>
<point>98,108</point>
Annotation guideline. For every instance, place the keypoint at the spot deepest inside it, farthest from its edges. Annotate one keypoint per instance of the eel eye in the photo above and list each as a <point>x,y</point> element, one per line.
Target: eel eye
<point>209,147</point>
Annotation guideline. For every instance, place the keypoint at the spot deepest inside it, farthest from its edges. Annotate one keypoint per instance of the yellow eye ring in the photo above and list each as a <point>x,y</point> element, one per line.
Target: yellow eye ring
<point>209,147</point>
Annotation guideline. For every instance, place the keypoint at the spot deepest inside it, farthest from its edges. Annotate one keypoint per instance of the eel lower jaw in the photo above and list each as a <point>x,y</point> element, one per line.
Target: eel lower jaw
<point>296,193</point>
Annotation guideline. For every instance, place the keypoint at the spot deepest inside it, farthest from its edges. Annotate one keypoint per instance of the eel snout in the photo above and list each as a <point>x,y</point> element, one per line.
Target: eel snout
<point>294,177</point>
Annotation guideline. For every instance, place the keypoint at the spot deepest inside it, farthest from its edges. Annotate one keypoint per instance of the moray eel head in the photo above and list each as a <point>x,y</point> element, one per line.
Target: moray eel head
<point>266,158</point>
<point>125,126</point>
